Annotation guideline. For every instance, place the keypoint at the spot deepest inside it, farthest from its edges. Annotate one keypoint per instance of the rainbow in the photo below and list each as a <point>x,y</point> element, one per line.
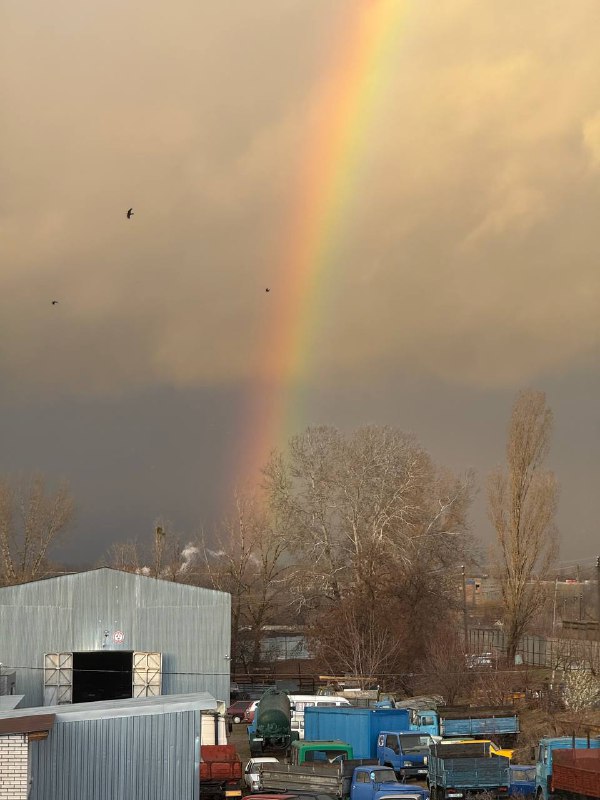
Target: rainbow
<point>345,102</point>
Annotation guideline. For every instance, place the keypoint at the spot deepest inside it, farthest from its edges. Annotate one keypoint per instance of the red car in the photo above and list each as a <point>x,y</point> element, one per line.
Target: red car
<point>236,711</point>
<point>249,713</point>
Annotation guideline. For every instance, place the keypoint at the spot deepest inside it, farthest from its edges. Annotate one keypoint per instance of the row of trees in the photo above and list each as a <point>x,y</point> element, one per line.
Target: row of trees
<point>360,534</point>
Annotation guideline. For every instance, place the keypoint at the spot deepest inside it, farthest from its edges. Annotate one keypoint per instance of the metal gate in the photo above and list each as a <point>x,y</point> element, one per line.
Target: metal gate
<point>58,679</point>
<point>147,674</point>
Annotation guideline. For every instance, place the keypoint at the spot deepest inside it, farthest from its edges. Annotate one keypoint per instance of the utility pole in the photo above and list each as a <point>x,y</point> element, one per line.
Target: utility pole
<point>465,625</point>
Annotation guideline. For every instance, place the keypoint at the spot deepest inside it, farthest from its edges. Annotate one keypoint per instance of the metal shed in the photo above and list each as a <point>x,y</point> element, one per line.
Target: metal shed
<point>106,634</point>
<point>145,749</point>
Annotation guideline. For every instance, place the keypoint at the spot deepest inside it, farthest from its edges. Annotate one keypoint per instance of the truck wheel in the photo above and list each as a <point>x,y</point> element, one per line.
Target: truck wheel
<point>237,719</point>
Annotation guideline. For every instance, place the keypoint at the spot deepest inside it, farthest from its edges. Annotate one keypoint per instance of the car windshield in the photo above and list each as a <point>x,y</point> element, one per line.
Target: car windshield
<point>386,776</point>
<point>412,743</point>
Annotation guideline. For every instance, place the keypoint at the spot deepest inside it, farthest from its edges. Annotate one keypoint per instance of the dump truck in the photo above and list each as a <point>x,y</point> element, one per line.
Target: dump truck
<point>271,729</point>
<point>460,770</point>
<point>220,771</point>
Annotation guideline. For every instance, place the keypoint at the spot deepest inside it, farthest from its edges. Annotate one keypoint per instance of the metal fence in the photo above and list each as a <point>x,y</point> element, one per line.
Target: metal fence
<point>538,650</point>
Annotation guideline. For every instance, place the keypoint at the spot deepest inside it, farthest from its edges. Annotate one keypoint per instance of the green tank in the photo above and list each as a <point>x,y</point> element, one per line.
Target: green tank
<point>272,728</point>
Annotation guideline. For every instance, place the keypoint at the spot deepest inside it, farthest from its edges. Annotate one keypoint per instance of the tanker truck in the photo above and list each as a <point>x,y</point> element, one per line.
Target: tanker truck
<point>271,729</point>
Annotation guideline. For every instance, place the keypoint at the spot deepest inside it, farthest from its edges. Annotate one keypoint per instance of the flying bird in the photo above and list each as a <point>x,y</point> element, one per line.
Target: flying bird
<point>54,302</point>
<point>130,213</point>
<point>267,290</point>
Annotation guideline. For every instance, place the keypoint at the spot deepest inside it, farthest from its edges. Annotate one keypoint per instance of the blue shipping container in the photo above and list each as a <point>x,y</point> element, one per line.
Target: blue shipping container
<point>359,727</point>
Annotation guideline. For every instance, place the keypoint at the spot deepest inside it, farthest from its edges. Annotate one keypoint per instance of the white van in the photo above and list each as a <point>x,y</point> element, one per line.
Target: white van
<point>301,701</point>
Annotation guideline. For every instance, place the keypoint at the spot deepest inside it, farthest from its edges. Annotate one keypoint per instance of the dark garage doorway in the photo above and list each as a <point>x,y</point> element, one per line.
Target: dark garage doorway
<point>102,675</point>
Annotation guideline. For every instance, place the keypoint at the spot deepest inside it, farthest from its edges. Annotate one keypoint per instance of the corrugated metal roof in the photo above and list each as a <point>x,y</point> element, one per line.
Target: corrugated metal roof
<point>189,625</point>
<point>110,709</point>
<point>32,723</point>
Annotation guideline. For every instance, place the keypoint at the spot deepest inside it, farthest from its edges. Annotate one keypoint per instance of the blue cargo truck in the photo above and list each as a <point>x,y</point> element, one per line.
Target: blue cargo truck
<point>406,753</point>
<point>373,733</point>
<point>501,724</point>
<point>459,771</point>
<point>359,727</point>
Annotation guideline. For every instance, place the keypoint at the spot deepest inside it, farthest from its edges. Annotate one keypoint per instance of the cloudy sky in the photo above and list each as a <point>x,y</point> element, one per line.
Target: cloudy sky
<point>467,262</point>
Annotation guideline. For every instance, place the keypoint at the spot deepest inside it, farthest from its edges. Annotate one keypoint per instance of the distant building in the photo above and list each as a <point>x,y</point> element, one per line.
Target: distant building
<point>111,635</point>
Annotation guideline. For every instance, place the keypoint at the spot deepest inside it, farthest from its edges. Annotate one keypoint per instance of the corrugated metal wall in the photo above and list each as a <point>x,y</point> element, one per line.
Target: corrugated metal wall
<point>125,758</point>
<point>190,626</point>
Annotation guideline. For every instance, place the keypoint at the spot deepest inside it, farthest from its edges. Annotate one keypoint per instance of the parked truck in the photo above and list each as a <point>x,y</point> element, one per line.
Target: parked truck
<point>381,733</point>
<point>406,753</point>
<point>497,722</point>
<point>576,774</point>
<point>359,727</point>
<point>345,780</point>
<point>459,771</point>
<point>548,752</point>
<point>220,772</point>
<point>271,729</point>
<point>321,752</point>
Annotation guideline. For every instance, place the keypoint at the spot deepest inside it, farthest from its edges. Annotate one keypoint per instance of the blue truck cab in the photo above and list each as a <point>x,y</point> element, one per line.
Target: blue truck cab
<point>425,721</point>
<point>459,722</point>
<point>543,765</point>
<point>522,780</point>
<point>405,753</point>
<point>379,783</point>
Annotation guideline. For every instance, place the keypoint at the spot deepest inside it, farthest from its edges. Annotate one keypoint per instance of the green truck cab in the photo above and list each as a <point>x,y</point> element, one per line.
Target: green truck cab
<point>304,752</point>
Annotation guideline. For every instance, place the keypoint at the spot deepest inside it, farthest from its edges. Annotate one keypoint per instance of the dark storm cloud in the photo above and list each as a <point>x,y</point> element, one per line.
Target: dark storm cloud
<point>468,264</point>
<point>472,227</point>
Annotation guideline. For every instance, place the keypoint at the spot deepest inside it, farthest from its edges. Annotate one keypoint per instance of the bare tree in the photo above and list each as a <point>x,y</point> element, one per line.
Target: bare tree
<point>363,645</point>
<point>445,668</point>
<point>125,556</point>
<point>246,559</point>
<point>166,557</point>
<point>522,501</point>
<point>370,515</point>
<point>32,521</point>
<point>353,504</point>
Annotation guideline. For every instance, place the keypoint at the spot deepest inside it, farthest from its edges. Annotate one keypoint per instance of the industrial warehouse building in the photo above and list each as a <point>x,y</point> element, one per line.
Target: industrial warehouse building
<point>144,749</point>
<point>109,635</point>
